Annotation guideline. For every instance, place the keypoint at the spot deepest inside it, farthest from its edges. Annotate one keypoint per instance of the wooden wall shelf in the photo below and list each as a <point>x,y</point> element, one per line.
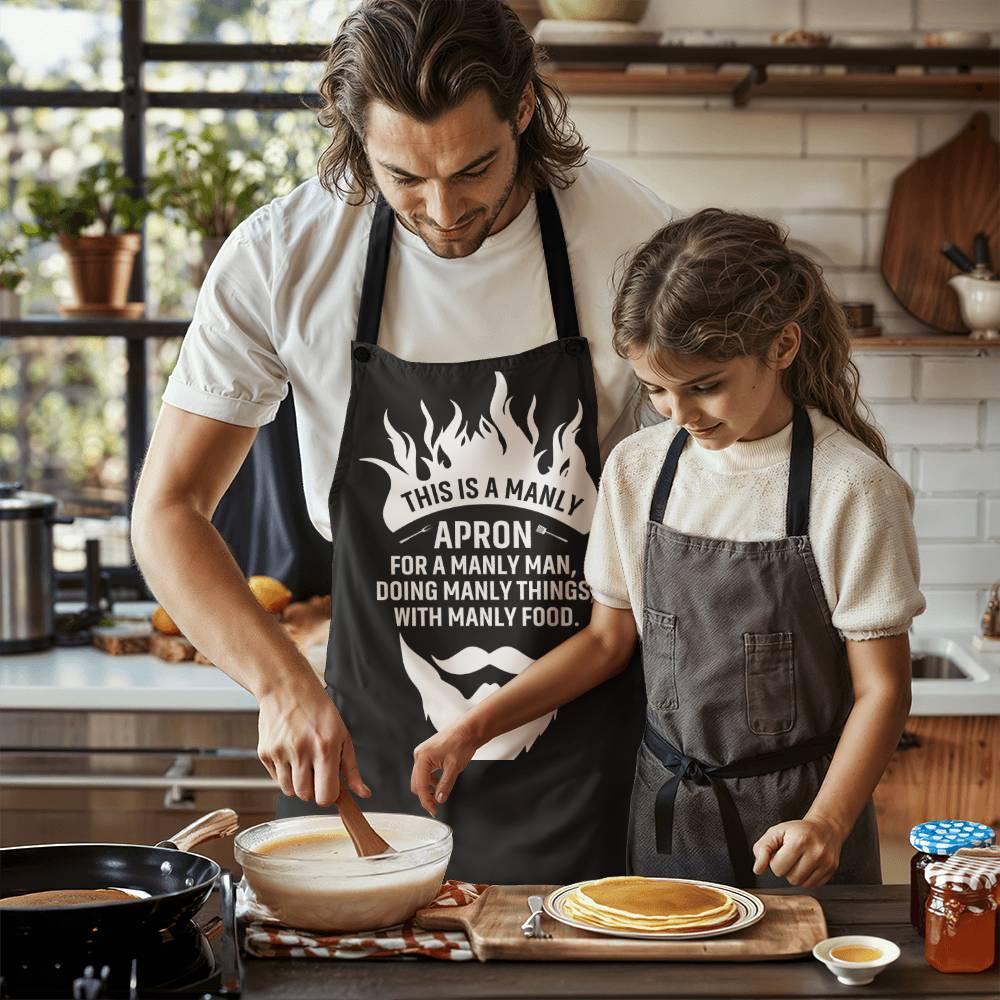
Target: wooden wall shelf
<point>928,344</point>
<point>978,86</point>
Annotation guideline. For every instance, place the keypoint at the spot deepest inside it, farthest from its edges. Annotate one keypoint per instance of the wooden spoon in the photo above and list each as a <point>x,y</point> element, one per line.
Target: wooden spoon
<point>366,841</point>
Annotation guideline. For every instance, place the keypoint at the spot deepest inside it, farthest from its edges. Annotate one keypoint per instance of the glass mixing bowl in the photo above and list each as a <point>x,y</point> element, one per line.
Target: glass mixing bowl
<point>340,891</point>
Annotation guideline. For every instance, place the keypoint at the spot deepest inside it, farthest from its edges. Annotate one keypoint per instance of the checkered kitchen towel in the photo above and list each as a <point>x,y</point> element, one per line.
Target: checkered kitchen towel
<point>266,937</point>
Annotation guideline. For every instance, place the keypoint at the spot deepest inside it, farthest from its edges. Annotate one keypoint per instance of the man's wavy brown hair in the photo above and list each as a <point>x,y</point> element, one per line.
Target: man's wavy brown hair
<point>424,57</point>
<point>722,285</point>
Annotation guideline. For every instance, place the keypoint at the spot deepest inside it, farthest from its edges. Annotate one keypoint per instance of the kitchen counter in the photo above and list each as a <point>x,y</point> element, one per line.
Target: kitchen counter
<point>878,910</point>
<point>85,679</point>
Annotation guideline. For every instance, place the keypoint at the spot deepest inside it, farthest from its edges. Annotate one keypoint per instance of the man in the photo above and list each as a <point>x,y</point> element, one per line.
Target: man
<point>427,298</point>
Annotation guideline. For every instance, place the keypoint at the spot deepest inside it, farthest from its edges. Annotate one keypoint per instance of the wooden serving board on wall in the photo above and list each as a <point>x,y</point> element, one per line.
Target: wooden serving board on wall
<point>946,196</point>
<point>790,927</point>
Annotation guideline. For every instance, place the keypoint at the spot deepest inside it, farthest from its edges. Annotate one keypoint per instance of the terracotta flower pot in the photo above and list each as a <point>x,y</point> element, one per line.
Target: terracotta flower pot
<point>100,267</point>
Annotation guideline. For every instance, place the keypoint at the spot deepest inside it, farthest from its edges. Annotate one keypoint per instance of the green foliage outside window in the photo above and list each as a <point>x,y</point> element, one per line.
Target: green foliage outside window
<point>62,414</point>
<point>11,275</point>
<point>198,184</point>
<point>101,198</point>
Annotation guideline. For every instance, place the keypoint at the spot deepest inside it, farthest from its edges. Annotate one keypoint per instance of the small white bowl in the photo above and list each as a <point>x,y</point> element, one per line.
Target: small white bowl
<point>856,973</point>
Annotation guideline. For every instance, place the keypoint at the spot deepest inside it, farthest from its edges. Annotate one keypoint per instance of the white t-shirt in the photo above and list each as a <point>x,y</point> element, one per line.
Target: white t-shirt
<point>279,305</point>
<point>860,519</point>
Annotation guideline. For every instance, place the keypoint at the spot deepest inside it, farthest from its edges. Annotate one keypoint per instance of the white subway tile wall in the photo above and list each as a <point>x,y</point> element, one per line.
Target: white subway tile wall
<point>825,170</point>
<point>992,424</point>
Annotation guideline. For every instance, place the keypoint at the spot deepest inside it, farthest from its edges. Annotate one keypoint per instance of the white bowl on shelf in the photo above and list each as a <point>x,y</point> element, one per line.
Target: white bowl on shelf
<point>979,303</point>
<point>595,10</point>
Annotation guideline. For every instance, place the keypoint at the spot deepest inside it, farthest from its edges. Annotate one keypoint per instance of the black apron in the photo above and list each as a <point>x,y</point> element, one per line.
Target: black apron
<point>263,516</point>
<point>748,690</point>
<point>460,509</point>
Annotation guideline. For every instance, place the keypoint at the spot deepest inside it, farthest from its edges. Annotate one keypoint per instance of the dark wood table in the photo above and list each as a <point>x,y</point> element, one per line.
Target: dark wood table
<point>879,910</point>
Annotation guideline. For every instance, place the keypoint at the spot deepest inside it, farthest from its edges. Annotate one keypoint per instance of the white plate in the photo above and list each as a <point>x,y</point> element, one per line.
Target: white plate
<point>750,907</point>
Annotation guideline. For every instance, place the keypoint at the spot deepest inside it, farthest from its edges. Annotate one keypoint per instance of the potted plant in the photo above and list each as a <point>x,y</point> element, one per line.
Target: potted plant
<point>100,264</point>
<point>11,276</point>
<point>208,187</point>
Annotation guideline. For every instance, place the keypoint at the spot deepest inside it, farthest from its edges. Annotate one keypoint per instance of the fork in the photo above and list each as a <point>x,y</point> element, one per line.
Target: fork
<point>532,927</point>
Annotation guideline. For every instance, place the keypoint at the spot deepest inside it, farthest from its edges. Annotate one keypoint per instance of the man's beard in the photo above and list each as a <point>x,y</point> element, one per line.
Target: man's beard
<point>444,704</point>
<point>469,244</point>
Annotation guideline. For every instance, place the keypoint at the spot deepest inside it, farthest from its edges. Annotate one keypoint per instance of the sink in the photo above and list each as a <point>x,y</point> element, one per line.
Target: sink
<point>943,659</point>
<point>929,666</point>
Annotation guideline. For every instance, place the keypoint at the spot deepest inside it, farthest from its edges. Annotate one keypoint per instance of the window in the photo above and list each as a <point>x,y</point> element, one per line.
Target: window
<point>76,410</point>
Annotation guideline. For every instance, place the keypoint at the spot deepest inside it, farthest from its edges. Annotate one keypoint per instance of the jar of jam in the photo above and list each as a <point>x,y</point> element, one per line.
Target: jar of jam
<point>961,919</point>
<point>938,840</point>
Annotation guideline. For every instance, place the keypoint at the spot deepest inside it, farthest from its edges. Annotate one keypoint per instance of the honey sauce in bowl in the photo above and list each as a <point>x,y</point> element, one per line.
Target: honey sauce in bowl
<point>315,846</point>
<point>855,953</point>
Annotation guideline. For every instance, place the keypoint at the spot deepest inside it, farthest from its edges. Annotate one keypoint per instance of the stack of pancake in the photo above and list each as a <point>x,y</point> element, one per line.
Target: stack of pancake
<point>650,906</point>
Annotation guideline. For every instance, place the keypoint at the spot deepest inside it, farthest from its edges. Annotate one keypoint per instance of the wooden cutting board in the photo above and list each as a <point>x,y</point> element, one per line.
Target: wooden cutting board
<point>948,195</point>
<point>789,928</point>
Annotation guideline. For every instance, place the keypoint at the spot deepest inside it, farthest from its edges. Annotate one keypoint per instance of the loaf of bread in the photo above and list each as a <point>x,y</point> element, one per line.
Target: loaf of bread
<point>123,638</point>
<point>172,648</point>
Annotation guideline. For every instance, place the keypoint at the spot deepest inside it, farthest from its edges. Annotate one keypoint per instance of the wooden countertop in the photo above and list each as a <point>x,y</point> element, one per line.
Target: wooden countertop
<point>878,910</point>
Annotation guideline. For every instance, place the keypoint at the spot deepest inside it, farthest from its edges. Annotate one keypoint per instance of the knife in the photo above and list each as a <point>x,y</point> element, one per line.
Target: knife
<point>957,257</point>
<point>981,250</point>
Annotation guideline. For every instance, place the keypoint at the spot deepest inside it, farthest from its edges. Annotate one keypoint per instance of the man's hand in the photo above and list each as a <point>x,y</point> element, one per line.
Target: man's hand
<point>305,745</point>
<point>448,752</point>
<point>804,851</point>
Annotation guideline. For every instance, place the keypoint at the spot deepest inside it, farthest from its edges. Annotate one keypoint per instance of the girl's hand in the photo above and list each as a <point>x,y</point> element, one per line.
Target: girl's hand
<point>448,752</point>
<point>804,851</point>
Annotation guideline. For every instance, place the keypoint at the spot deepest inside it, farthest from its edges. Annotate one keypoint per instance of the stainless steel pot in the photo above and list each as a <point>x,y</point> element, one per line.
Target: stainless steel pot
<point>27,578</point>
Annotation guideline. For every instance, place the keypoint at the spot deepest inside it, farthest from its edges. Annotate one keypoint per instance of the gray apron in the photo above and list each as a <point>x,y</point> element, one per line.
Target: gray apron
<point>748,688</point>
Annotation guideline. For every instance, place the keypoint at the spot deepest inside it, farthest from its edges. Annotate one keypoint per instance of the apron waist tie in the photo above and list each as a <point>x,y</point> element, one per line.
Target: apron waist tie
<point>690,769</point>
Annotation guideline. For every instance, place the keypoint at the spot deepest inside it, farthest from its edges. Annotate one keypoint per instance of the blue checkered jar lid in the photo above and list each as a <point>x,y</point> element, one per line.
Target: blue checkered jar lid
<point>945,836</point>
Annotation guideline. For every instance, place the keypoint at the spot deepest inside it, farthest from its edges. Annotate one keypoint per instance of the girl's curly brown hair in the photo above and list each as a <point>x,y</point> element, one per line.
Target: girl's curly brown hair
<point>425,57</point>
<point>722,285</point>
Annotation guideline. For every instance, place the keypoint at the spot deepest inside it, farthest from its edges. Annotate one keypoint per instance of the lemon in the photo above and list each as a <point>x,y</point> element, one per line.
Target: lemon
<point>272,595</point>
<point>163,623</point>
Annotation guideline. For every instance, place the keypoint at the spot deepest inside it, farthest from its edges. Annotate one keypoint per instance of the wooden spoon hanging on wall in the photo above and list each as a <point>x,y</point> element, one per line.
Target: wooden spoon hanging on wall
<point>366,841</point>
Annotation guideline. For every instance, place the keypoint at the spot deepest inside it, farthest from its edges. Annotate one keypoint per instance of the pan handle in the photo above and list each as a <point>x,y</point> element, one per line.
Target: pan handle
<point>221,823</point>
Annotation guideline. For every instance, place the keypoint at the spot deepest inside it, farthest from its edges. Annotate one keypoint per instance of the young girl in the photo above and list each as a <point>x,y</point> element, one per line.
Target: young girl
<point>762,547</point>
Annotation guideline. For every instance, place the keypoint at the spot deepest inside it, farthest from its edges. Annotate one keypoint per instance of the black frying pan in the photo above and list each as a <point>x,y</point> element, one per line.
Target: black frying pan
<point>177,883</point>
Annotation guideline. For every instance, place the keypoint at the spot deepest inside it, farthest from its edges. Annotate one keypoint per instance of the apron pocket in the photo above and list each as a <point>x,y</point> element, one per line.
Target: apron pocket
<point>659,656</point>
<point>770,681</point>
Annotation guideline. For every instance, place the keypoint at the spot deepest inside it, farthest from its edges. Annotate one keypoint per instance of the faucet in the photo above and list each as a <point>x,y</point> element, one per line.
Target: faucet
<point>991,616</point>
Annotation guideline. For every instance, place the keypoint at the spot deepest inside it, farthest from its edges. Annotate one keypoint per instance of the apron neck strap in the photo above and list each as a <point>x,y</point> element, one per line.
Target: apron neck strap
<point>556,265</point>
<point>376,268</point>
<point>665,481</point>
<point>799,476</point>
